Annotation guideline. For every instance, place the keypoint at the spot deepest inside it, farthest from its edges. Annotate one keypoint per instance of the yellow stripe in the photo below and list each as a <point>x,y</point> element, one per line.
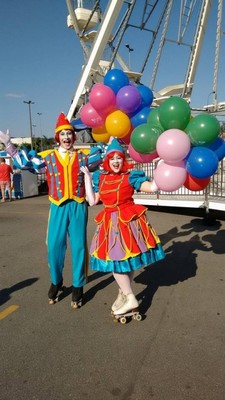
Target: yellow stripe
<point>8,311</point>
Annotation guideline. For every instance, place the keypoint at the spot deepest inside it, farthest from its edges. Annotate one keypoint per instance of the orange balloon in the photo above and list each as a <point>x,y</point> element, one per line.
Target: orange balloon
<point>118,124</point>
<point>99,130</point>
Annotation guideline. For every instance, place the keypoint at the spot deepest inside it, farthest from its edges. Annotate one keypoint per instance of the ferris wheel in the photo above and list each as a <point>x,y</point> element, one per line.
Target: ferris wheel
<point>108,32</point>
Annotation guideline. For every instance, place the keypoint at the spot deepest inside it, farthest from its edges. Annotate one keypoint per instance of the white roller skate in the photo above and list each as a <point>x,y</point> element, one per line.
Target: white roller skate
<point>54,292</point>
<point>120,300</point>
<point>127,310</point>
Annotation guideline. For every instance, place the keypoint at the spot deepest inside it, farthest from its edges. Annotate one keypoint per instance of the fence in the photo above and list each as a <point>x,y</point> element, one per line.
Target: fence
<point>213,197</point>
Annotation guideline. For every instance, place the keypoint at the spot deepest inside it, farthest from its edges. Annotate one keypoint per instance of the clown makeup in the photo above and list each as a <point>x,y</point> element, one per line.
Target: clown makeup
<point>66,139</point>
<point>116,163</point>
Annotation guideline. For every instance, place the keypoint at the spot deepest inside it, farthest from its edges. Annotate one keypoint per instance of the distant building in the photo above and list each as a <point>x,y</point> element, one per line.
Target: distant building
<point>21,140</point>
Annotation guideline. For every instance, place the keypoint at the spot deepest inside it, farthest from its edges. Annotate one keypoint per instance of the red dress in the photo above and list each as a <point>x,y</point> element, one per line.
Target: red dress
<point>124,240</point>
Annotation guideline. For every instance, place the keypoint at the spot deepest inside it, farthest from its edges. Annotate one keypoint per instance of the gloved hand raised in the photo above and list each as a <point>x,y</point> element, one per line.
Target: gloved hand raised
<point>88,185</point>
<point>5,137</point>
<point>86,171</point>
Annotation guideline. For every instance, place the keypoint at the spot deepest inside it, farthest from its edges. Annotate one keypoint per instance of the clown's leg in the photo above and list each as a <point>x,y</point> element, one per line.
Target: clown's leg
<point>56,242</point>
<point>53,292</point>
<point>78,244</point>
<point>124,283</point>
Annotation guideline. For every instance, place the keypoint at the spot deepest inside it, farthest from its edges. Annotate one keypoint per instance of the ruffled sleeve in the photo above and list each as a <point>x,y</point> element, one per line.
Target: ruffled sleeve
<point>136,179</point>
<point>95,180</point>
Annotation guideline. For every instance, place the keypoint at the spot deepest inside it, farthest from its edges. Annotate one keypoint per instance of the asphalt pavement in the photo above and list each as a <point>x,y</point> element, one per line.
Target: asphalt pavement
<point>176,352</point>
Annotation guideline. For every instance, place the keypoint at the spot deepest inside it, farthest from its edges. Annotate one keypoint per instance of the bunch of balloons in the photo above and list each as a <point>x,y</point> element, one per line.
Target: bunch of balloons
<point>115,107</point>
<point>189,148</point>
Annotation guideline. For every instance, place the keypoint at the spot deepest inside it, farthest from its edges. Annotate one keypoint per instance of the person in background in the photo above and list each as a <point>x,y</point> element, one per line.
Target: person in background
<point>5,179</point>
<point>68,207</point>
<point>124,240</point>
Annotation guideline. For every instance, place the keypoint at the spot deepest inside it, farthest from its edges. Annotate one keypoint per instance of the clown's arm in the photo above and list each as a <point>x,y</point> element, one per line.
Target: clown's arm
<point>149,187</point>
<point>92,198</point>
<point>22,159</point>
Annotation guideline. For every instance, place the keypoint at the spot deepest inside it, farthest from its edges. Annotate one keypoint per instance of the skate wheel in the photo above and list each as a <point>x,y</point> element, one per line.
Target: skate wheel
<point>138,317</point>
<point>53,301</point>
<point>76,304</point>
<point>123,320</point>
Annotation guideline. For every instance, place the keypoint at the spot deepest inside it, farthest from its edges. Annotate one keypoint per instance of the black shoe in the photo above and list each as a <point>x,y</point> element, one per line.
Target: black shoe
<point>53,292</point>
<point>77,297</point>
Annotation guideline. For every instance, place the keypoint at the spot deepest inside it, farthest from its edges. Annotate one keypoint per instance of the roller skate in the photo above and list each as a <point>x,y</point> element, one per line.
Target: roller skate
<point>121,298</point>
<point>129,309</point>
<point>77,297</point>
<point>53,293</point>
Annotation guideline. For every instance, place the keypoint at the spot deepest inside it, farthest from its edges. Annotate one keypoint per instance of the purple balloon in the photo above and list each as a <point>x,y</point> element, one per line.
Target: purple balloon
<point>128,99</point>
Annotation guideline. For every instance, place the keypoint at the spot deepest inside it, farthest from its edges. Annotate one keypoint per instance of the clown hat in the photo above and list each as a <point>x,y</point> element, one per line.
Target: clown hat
<point>114,146</point>
<point>63,123</point>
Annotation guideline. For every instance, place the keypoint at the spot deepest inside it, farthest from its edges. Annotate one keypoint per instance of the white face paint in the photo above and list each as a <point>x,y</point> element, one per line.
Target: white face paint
<point>66,139</point>
<point>116,163</point>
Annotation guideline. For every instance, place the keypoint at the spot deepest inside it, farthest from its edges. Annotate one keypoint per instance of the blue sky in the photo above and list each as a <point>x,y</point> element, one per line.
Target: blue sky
<point>41,61</point>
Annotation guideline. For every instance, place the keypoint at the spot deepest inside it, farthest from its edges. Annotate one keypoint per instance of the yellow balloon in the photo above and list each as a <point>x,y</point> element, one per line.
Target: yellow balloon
<point>100,135</point>
<point>118,124</point>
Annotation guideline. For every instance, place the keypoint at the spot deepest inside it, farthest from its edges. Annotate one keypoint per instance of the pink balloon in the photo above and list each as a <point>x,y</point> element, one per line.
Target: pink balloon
<point>173,145</point>
<point>139,157</point>
<point>170,176</point>
<point>90,117</point>
<point>102,98</point>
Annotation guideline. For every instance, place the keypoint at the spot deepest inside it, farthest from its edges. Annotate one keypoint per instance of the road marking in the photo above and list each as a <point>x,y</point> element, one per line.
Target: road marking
<point>8,311</point>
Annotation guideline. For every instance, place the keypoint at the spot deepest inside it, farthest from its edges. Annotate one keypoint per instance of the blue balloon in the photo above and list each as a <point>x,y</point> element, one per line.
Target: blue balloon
<point>201,162</point>
<point>140,117</point>
<point>218,146</point>
<point>116,79</point>
<point>146,95</point>
<point>78,124</point>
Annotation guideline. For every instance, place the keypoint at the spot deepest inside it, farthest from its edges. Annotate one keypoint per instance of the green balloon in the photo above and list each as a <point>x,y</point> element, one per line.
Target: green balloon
<point>144,137</point>
<point>175,113</point>
<point>203,129</point>
<point>153,118</point>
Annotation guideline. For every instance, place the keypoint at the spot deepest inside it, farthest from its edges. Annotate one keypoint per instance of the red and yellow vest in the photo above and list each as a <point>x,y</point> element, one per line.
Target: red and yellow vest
<point>65,181</point>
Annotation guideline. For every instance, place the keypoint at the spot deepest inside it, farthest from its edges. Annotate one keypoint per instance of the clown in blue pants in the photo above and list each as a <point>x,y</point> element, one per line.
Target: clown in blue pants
<point>67,220</point>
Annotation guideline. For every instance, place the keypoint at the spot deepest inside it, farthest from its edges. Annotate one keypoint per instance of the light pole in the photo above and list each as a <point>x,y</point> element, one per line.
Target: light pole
<point>30,119</point>
<point>40,122</point>
<point>129,49</point>
<point>40,114</point>
<point>34,136</point>
<point>40,130</point>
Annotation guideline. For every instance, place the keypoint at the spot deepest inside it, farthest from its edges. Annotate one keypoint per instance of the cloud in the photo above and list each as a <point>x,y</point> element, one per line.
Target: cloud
<point>15,95</point>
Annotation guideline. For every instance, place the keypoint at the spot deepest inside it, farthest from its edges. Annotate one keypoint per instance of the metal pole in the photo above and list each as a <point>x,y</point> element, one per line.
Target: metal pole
<point>129,50</point>
<point>30,120</point>
<point>40,130</point>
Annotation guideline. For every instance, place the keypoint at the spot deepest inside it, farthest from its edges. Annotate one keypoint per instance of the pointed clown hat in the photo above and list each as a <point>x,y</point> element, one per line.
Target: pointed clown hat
<point>63,123</point>
<point>114,146</point>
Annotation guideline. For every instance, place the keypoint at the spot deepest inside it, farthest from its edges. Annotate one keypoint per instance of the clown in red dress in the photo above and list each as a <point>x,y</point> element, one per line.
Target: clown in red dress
<point>124,241</point>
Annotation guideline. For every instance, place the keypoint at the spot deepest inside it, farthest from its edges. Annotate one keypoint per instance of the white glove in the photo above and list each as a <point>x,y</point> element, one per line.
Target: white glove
<point>154,187</point>
<point>88,186</point>
<point>5,137</point>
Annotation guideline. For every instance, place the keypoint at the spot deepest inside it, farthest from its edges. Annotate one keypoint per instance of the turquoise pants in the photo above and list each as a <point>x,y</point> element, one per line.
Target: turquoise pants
<point>67,220</point>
